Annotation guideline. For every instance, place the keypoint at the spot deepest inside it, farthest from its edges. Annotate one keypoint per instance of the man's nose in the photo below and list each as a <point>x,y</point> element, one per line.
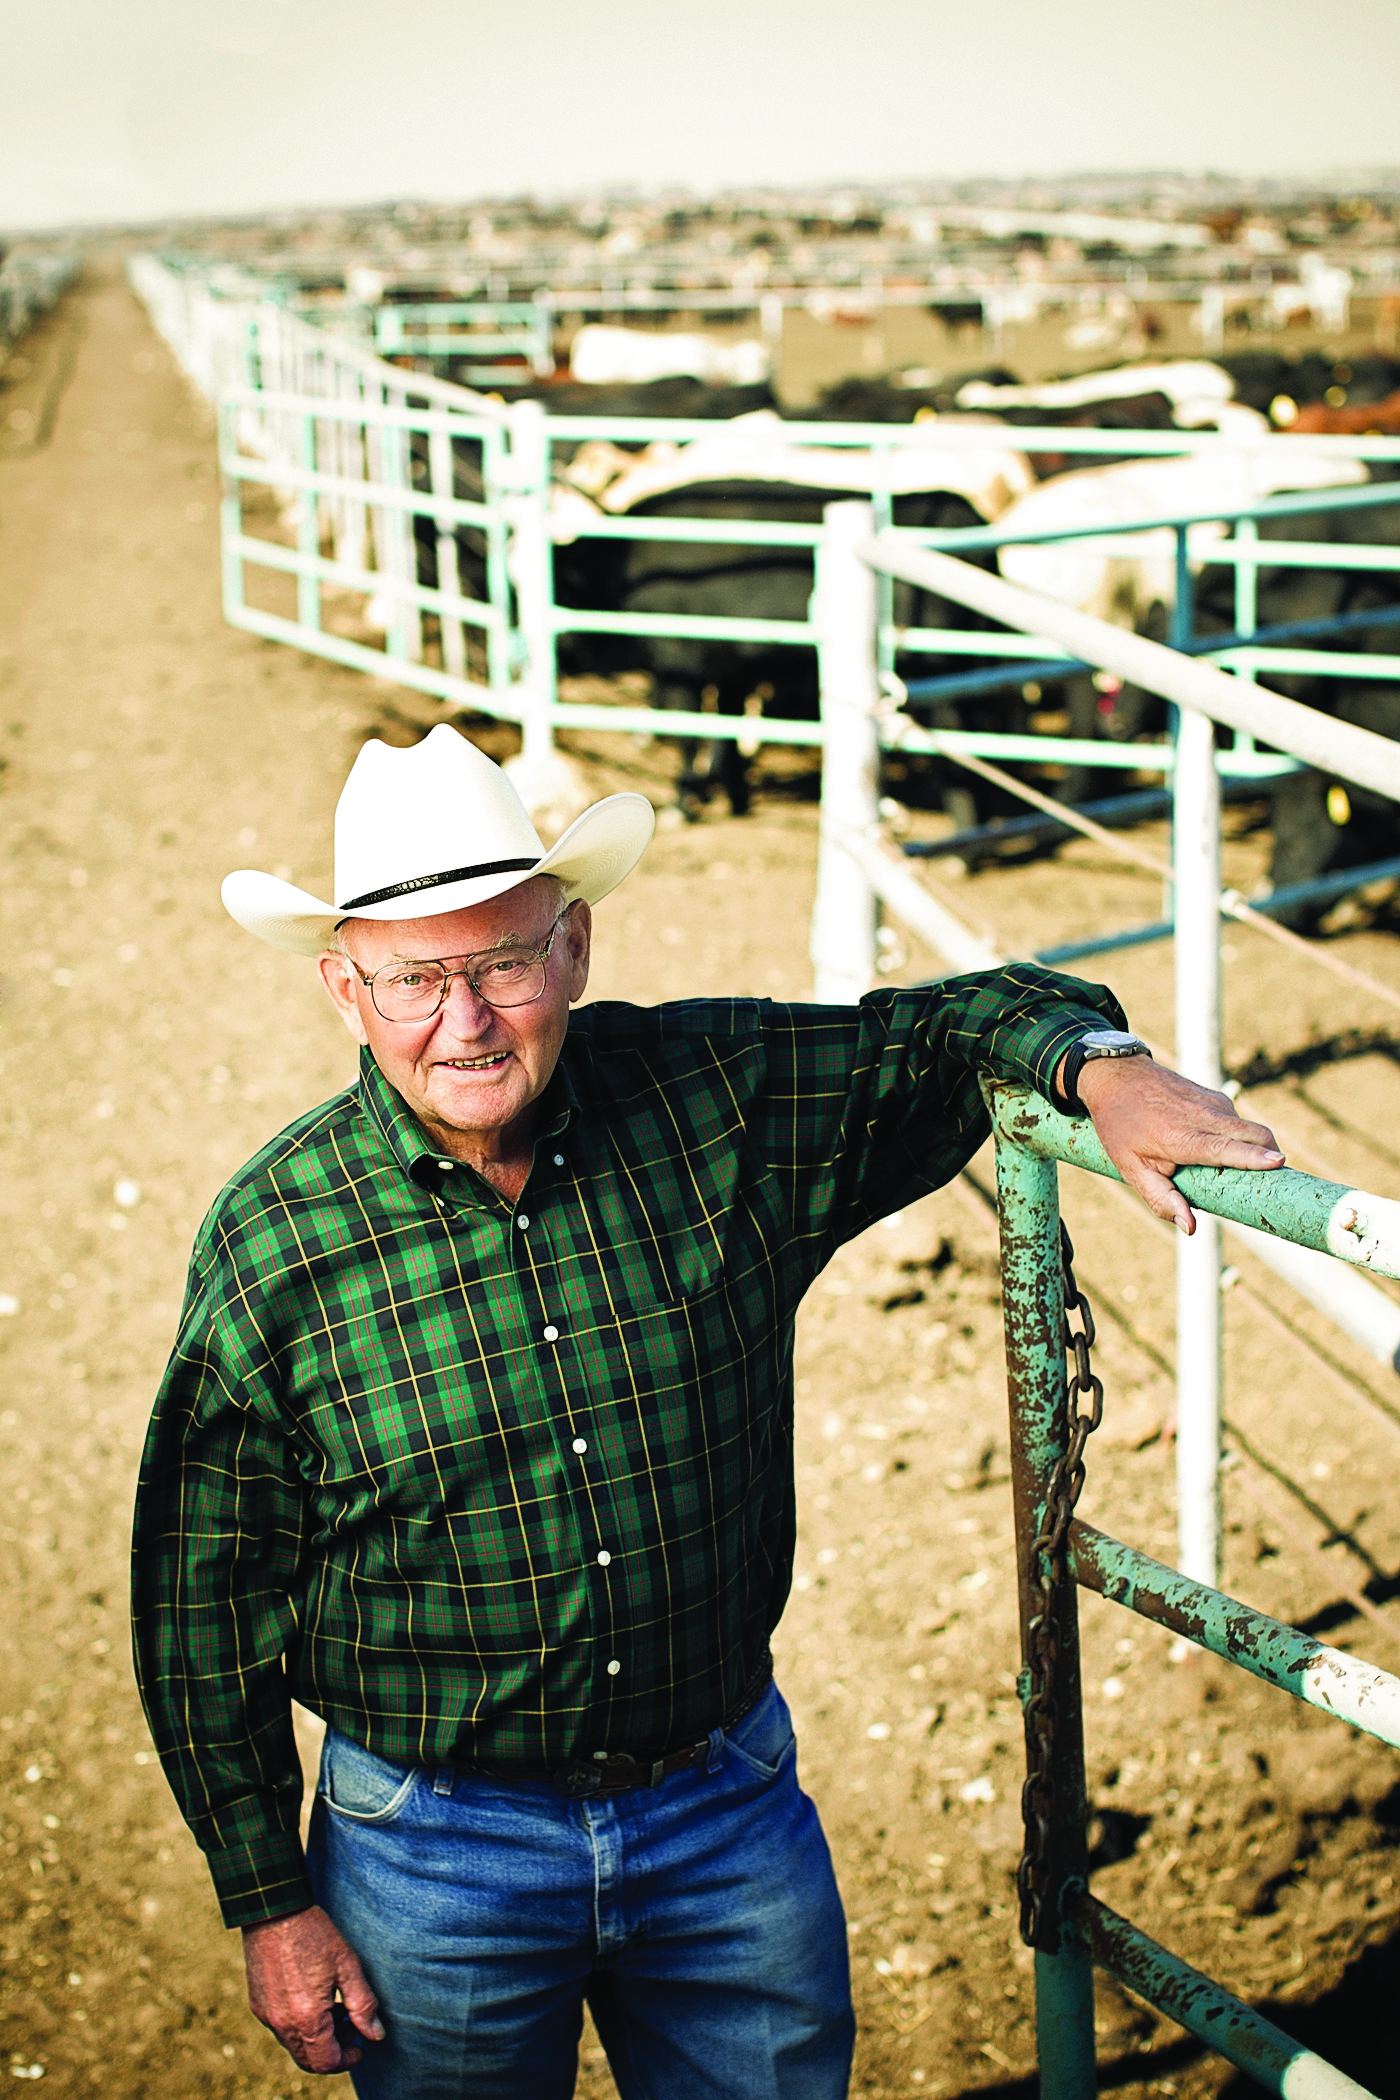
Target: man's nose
<point>464,1010</point>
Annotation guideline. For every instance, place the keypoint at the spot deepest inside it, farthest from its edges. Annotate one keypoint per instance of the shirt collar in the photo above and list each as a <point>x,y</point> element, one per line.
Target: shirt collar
<point>409,1143</point>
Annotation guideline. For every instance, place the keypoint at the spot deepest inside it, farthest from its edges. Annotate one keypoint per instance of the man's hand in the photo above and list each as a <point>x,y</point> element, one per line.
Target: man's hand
<point>1152,1121</point>
<point>295,1967</point>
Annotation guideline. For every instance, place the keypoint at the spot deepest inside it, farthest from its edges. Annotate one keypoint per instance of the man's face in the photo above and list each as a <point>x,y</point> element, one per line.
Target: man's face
<point>470,1071</point>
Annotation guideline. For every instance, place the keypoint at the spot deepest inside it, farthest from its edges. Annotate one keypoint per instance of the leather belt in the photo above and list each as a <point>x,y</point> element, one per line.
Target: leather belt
<point>617,1771</point>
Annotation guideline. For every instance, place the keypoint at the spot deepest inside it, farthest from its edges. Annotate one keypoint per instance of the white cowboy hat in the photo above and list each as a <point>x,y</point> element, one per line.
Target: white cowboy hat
<point>432,829</point>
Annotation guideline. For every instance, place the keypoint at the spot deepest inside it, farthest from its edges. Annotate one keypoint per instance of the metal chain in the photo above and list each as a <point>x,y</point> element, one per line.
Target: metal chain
<point>1048,1565</point>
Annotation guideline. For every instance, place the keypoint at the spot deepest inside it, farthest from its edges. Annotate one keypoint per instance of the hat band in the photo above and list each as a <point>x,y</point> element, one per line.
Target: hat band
<point>435,882</point>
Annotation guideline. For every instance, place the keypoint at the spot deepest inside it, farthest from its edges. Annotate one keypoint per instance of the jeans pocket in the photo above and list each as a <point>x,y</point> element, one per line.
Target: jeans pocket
<point>360,1786</point>
<point>764,1739</point>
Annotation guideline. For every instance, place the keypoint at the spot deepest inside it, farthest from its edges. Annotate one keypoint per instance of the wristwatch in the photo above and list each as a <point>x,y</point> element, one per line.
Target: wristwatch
<point>1099,1042</point>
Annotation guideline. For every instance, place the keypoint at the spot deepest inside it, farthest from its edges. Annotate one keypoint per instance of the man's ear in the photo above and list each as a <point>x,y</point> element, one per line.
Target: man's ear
<point>578,934</point>
<point>338,976</point>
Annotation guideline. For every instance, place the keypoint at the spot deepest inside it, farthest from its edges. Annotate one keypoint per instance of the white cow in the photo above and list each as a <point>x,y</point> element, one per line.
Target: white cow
<point>1183,380</point>
<point>1122,586</point>
<point>1200,394</point>
<point>634,356</point>
<point>757,448</point>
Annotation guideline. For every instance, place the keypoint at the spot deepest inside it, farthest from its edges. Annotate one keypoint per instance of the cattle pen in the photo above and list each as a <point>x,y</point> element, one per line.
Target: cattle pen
<point>361,454</point>
<point>336,434</point>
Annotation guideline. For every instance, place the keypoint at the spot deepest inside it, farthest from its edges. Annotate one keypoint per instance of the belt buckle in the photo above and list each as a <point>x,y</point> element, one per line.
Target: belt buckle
<point>602,1773</point>
<point>621,1769</point>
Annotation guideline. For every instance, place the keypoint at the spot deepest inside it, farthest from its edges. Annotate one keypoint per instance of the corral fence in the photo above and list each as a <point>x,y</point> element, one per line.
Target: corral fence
<point>1058,1554</point>
<point>476,332</point>
<point>433,507</point>
<point>1205,697</point>
<point>30,283</point>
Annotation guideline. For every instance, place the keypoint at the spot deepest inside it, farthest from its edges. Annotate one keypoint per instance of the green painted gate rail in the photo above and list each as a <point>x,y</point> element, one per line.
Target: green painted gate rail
<point>472,332</point>
<point>1074,1930</point>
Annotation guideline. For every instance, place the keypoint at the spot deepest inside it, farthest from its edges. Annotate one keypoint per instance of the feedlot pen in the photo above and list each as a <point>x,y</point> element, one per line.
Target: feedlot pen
<point>145,745</point>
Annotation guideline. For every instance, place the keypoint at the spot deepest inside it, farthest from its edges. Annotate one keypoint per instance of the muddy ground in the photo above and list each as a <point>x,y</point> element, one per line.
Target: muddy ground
<point>147,748</point>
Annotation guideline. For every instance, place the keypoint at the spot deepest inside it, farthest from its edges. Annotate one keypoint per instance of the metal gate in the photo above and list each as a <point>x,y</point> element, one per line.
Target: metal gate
<point>1057,1555</point>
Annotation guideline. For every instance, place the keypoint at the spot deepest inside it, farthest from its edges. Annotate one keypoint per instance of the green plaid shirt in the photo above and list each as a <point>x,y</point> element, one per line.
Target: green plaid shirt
<point>508,1485</point>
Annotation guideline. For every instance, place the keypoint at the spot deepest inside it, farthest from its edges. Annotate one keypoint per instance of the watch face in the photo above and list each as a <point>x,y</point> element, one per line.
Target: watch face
<point>1108,1039</point>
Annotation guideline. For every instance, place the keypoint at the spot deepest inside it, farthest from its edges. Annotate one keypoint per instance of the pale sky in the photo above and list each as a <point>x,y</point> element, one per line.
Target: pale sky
<point>131,109</point>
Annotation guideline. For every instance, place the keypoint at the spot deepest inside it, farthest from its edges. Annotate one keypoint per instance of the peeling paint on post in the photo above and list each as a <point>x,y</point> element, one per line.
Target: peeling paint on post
<point>1339,1684</point>
<point>1206,2009</point>
<point>1033,1299</point>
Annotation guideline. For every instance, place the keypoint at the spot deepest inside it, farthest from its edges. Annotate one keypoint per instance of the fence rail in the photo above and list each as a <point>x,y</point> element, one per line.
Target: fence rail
<point>472,332</point>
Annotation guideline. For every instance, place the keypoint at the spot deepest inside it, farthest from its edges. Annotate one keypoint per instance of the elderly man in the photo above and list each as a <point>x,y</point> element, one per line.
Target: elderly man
<point>477,1440</point>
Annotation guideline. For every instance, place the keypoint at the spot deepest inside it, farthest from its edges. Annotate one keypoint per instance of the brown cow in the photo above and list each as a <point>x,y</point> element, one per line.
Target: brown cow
<point>1367,419</point>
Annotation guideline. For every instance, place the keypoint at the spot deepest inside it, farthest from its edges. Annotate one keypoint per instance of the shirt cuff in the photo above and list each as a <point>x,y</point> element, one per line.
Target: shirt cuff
<point>1040,1017</point>
<point>1052,1040</point>
<point>260,1877</point>
<point>1035,1057</point>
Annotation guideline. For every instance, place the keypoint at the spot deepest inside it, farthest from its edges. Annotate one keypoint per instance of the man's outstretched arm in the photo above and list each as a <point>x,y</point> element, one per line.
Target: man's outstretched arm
<point>1152,1121</point>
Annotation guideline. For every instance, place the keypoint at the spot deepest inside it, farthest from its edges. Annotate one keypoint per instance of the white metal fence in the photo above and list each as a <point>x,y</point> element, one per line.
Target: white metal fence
<point>30,283</point>
<point>1206,697</point>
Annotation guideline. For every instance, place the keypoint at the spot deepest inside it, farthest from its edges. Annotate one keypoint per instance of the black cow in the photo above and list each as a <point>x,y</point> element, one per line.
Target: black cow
<point>677,396</point>
<point>1313,830</point>
<point>735,581</point>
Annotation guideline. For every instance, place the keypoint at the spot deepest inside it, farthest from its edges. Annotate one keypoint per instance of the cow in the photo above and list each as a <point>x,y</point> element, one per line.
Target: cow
<point>1120,586</point>
<point>1366,419</point>
<point>1193,387</point>
<point>869,399</point>
<point>1280,387</point>
<point>1139,590</point>
<point>749,470</point>
<point>1320,823</point>
<point>605,356</point>
<point>680,395</point>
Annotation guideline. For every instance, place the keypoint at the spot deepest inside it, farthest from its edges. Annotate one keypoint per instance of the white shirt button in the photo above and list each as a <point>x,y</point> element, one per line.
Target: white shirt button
<point>600,1757</point>
<point>604,1558</point>
<point>446,1165</point>
<point>551,1334</point>
<point>613,1668</point>
<point>523,1222</point>
<point>558,1159</point>
<point>580,1444</point>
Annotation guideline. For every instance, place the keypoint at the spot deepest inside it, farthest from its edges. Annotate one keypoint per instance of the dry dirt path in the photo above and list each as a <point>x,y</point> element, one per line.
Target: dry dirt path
<point>147,749</point>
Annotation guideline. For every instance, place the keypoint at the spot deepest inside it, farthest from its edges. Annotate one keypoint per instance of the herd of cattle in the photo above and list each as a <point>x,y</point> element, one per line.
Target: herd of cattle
<point>755,467</point>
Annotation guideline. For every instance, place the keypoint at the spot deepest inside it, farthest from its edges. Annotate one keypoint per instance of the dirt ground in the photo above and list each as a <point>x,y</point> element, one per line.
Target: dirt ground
<point>149,1047</point>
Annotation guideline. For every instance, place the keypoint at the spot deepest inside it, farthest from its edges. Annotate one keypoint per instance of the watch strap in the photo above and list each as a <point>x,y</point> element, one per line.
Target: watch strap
<point>1076,1057</point>
<point>1069,1080</point>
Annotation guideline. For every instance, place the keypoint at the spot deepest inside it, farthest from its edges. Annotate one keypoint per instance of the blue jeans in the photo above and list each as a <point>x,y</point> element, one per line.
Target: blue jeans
<point>698,1918</point>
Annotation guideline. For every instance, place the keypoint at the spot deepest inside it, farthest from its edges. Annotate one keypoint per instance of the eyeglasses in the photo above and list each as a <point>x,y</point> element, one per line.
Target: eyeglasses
<point>413,991</point>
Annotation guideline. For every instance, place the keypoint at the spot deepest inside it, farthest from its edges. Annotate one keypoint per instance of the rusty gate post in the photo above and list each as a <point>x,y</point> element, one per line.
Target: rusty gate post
<point>1033,1298</point>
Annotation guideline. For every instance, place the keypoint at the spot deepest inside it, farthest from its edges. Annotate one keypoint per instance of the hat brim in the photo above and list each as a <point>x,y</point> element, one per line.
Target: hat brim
<point>592,857</point>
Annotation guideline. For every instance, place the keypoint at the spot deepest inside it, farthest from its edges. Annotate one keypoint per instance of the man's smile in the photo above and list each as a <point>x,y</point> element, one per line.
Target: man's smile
<point>488,1063</point>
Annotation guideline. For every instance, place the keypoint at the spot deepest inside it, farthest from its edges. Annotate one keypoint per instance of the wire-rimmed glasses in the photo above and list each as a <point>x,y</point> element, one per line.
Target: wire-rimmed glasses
<point>511,975</point>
